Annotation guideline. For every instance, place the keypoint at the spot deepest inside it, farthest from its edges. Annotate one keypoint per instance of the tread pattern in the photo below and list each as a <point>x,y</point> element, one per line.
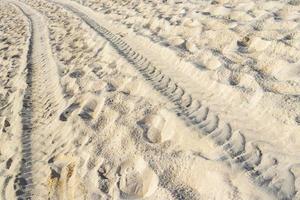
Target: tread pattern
<point>23,181</point>
<point>246,155</point>
<point>41,102</point>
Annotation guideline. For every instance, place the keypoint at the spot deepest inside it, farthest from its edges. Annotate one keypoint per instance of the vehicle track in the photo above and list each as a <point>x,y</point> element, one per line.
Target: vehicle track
<point>23,181</point>
<point>40,103</point>
<point>246,155</point>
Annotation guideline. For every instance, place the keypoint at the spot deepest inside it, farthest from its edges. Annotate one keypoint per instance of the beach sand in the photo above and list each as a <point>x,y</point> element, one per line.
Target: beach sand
<point>142,99</point>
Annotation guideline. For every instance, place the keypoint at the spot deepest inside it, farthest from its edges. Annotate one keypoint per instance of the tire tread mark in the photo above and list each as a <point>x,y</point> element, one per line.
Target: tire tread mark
<point>42,95</point>
<point>199,116</point>
<point>21,184</point>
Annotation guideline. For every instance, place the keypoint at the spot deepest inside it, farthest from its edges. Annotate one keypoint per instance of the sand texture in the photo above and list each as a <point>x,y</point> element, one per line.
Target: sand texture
<point>152,100</point>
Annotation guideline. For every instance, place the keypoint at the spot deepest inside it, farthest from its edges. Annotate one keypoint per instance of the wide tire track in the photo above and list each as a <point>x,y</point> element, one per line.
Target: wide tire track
<point>42,100</point>
<point>247,155</point>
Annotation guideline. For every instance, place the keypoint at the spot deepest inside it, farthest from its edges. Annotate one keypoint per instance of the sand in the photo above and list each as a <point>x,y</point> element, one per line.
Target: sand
<point>149,99</point>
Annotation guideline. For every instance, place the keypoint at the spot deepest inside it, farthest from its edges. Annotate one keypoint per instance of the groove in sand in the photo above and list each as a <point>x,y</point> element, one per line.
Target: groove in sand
<point>194,113</point>
<point>42,83</point>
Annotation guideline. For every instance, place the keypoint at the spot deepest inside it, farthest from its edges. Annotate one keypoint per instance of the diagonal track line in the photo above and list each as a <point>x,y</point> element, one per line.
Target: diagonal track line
<point>194,113</point>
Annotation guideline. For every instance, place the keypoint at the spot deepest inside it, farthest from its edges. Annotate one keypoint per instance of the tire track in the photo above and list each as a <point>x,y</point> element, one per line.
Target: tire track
<point>23,181</point>
<point>14,39</point>
<point>246,155</point>
<point>40,104</point>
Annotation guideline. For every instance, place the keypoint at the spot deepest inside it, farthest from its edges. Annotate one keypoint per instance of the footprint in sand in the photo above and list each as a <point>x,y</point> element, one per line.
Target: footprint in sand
<point>77,74</point>
<point>296,173</point>
<point>68,111</point>
<point>4,124</point>
<point>153,127</point>
<point>137,180</point>
<point>87,111</point>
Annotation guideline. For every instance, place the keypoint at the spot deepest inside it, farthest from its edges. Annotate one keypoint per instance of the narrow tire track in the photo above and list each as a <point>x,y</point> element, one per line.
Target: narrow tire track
<point>23,181</point>
<point>38,103</point>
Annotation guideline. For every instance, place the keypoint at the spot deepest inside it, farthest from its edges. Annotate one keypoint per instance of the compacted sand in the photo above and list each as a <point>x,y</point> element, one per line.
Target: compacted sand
<point>148,99</point>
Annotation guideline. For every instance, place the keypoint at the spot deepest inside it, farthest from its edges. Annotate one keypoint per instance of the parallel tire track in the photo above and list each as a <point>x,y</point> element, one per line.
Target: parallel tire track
<point>38,104</point>
<point>244,154</point>
<point>23,181</point>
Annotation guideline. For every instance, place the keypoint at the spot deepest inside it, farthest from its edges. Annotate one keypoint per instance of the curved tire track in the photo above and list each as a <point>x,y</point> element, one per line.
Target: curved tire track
<point>23,181</point>
<point>238,151</point>
<point>38,104</point>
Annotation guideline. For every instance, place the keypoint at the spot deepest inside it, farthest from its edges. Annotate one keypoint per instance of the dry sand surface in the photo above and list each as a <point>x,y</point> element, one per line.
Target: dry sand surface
<point>149,99</point>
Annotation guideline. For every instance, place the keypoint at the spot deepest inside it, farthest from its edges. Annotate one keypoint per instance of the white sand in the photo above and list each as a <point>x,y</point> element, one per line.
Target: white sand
<point>106,99</point>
